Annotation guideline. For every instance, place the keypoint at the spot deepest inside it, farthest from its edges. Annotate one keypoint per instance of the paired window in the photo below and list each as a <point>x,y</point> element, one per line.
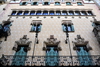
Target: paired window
<point>23,3</point>
<point>67,25</point>
<point>36,26</point>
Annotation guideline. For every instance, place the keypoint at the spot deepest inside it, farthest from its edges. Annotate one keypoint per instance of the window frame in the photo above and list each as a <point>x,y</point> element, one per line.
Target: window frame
<point>70,24</point>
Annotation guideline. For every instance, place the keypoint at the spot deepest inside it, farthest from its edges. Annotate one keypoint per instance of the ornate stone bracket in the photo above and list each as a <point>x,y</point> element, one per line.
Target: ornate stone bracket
<point>95,21</point>
<point>6,22</point>
<point>51,42</point>
<point>23,41</point>
<point>80,42</point>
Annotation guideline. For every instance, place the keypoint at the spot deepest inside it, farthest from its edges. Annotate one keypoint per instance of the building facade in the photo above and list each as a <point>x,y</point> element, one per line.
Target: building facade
<point>50,33</point>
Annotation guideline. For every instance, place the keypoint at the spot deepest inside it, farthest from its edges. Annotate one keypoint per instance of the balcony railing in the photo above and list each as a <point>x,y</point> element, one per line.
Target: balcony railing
<point>61,60</point>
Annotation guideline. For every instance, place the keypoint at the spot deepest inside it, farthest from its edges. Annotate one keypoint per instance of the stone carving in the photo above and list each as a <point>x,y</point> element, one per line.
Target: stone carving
<point>51,42</point>
<point>5,28</point>
<point>96,30</point>
<point>23,41</point>
<point>80,42</point>
<point>95,21</point>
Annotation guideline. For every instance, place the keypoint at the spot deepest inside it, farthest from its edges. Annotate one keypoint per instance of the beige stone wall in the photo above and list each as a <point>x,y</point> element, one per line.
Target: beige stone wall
<point>51,26</point>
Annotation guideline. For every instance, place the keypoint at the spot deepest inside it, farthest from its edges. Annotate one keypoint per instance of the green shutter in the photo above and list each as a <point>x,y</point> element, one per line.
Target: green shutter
<point>84,56</point>
<point>72,27</point>
<point>52,57</point>
<point>20,57</point>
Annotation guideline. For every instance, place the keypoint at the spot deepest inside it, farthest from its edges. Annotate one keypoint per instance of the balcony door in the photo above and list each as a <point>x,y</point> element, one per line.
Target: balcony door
<point>84,56</point>
<point>19,57</point>
<point>51,56</point>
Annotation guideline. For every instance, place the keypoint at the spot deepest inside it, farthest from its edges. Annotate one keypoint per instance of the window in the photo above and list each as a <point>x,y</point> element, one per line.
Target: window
<point>58,13</point>
<point>32,13</point>
<point>79,3</point>
<point>20,13</point>
<point>38,13</point>
<point>67,25</point>
<point>83,13</point>
<point>26,13</point>
<point>64,12</point>
<point>34,3</point>
<point>83,53</point>
<point>57,3</point>
<point>71,13</point>
<point>52,56</point>
<point>23,3</point>
<point>51,13</point>
<point>22,52</point>
<point>13,13</point>
<point>46,3</point>
<point>36,26</point>
<point>89,12</point>
<point>77,13</point>
<point>45,12</point>
<point>68,3</point>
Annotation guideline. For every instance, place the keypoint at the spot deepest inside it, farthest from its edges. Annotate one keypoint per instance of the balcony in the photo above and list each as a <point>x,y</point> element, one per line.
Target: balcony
<point>93,60</point>
<point>96,29</point>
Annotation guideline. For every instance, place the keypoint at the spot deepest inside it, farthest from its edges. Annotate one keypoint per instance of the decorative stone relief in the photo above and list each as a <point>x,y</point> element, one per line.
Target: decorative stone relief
<point>80,42</point>
<point>23,41</point>
<point>51,42</point>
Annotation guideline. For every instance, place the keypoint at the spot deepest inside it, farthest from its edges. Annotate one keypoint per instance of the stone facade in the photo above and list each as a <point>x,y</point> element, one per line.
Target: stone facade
<point>51,25</point>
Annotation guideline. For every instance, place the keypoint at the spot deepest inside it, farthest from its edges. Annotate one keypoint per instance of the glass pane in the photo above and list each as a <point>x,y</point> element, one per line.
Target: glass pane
<point>69,28</point>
